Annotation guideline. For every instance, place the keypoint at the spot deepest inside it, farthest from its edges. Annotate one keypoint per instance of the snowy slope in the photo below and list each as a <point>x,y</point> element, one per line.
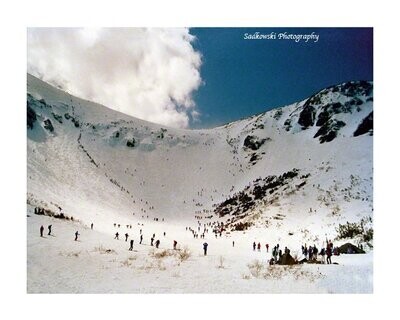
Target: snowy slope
<point>80,164</point>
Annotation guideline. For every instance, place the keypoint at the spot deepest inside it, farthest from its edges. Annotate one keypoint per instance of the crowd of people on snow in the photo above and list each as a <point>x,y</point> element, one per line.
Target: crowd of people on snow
<point>310,253</point>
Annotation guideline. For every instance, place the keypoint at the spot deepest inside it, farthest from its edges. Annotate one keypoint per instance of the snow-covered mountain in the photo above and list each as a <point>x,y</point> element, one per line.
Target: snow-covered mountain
<point>301,169</point>
<point>287,176</point>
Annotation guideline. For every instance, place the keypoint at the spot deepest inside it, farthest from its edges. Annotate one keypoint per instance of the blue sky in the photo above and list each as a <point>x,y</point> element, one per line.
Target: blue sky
<point>245,77</point>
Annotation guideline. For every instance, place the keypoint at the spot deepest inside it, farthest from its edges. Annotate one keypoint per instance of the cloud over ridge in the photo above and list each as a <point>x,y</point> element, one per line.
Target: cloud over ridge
<point>147,73</point>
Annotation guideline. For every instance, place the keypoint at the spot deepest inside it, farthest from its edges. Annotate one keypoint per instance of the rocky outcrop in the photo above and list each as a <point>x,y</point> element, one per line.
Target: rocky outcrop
<point>366,126</point>
<point>307,116</point>
<point>131,143</point>
<point>30,117</point>
<point>48,125</point>
<point>329,130</point>
<point>253,142</point>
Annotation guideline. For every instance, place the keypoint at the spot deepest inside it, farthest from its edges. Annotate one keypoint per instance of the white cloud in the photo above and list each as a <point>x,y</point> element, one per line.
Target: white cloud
<point>146,73</point>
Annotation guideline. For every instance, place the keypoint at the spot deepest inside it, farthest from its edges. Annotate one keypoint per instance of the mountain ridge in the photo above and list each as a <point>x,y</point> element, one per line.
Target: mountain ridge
<point>138,169</point>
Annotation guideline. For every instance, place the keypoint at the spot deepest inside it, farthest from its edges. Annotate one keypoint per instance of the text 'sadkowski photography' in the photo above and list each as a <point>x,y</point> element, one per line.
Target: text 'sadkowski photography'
<point>312,37</point>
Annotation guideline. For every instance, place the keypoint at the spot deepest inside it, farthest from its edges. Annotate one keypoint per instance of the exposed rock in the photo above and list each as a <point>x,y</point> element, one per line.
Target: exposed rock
<point>366,126</point>
<point>329,130</point>
<point>57,117</point>
<point>76,122</point>
<point>31,117</point>
<point>260,126</point>
<point>48,125</point>
<point>245,200</point>
<point>131,143</point>
<point>278,114</point>
<point>241,226</point>
<point>253,142</point>
<point>288,124</point>
<point>254,157</point>
<point>323,117</point>
<point>307,116</point>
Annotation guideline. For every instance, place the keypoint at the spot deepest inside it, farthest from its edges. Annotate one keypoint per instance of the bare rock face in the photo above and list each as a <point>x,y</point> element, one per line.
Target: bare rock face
<point>31,117</point>
<point>366,126</point>
<point>329,130</point>
<point>48,125</point>
<point>307,116</point>
<point>131,143</point>
<point>253,142</point>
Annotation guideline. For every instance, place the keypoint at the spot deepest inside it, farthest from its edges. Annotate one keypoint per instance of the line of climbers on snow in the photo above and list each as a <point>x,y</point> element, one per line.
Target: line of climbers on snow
<point>281,257</point>
<point>217,228</point>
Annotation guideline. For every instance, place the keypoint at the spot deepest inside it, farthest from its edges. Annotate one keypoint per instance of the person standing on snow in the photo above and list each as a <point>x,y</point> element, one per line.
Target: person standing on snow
<point>328,254</point>
<point>175,243</point>
<point>267,246</point>
<point>141,239</point>
<point>310,253</point>
<point>131,247</point>
<point>116,236</point>
<point>205,245</point>
<point>157,243</point>
<point>76,236</point>
<point>259,247</point>
<point>126,237</point>
<point>49,227</point>
<point>254,246</point>
<point>41,231</point>
<point>315,253</point>
<point>275,254</point>
<point>91,226</point>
